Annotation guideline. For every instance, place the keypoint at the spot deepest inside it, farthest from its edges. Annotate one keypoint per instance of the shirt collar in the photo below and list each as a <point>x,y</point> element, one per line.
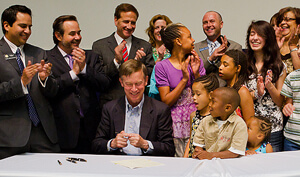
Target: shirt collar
<point>119,39</point>
<point>209,42</point>
<point>62,51</point>
<point>13,47</point>
<point>139,106</point>
<point>230,119</point>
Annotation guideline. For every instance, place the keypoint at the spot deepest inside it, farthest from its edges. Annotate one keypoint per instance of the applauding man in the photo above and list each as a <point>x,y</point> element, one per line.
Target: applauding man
<point>26,118</point>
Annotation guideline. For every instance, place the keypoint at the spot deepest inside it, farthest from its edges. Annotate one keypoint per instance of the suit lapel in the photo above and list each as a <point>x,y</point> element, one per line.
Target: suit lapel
<point>59,59</point>
<point>134,47</point>
<point>119,115</point>
<point>146,118</point>
<point>205,52</point>
<point>9,56</point>
<point>112,43</point>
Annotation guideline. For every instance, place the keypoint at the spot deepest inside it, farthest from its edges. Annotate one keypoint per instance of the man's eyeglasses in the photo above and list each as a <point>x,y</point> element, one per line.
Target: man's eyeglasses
<point>287,19</point>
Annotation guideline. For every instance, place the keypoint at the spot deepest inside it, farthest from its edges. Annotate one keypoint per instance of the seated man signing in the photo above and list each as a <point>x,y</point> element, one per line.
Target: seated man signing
<point>134,124</point>
<point>224,133</point>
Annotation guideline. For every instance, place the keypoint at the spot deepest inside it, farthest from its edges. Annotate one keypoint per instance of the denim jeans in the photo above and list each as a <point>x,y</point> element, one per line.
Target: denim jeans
<point>276,141</point>
<point>290,146</point>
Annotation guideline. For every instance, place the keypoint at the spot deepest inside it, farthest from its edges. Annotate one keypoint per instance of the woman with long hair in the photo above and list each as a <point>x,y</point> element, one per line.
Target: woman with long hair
<point>267,74</point>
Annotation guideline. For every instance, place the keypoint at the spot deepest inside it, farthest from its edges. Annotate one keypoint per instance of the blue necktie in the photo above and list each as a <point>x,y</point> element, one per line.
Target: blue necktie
<point>31,109</point>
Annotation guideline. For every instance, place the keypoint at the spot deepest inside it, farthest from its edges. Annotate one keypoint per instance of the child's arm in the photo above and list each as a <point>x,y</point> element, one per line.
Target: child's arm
<point>187,149</point>
<point>288,107</point>
<point>269,148</point>
<point>209,155</point>
<point>247,105</point>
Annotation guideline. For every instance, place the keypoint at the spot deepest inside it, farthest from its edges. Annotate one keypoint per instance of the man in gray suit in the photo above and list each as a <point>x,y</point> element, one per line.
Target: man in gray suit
<point>121,46</point>
<point>215,45</point>
<point>26,119</point>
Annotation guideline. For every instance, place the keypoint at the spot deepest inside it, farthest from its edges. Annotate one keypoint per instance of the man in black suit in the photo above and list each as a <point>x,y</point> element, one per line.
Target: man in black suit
<point>134,124</point>
<point>110,49</point>
<point>79,75</point>
<point>26,118</point>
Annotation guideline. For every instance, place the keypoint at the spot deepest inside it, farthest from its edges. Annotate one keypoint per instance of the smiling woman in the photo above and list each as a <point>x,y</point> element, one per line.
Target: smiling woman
<point>267,74</point>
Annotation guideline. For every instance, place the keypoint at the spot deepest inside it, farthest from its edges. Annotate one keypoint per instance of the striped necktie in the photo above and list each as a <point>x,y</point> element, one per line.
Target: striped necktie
<point>33,115</point>
<point>125,53</point>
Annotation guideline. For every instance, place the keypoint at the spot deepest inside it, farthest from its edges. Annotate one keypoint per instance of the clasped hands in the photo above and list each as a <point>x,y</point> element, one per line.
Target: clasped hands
<point>135,140</point>
<point>201,154</point>
<point>119,55</point>
<point>79,60</point>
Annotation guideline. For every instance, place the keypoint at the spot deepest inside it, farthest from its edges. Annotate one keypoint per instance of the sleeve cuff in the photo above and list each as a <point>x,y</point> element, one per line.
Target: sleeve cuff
<point>73,76</point>
<point>109,148</point>
<point>24,88</point>
<point>199,145</point>
<point>150,147</point>
<point>43,84</point>
<point>117,64</point>
<point>231,149</point>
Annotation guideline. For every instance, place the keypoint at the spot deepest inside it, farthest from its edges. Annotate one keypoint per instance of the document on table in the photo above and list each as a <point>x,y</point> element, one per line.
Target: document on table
<point>137,163</point>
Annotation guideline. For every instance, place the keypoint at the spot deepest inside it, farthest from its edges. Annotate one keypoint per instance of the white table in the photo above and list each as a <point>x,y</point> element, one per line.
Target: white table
<point>272,164</point>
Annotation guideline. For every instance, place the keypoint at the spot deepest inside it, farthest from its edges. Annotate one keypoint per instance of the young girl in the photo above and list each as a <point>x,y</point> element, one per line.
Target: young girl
<point>267,74</point>
<point>174,77</point>
<point>259,130</point>
<point>202,86</point>
<point>233,69</point>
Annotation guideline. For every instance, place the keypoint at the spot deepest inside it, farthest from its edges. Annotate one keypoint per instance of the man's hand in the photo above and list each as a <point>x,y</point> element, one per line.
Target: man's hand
<point>79,57</point>
<point>220,51</point>
<point>204,155</point>
<point>137,141</point>
<point>197,150</point>
<point>140,54</point>
<point>44,70</point>
<point>118,52</point>
<point>29,72</point>
<point>120,141</point>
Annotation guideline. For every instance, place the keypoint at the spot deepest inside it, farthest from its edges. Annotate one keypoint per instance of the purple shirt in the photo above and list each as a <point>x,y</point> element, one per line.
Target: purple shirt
<point>167,75</point>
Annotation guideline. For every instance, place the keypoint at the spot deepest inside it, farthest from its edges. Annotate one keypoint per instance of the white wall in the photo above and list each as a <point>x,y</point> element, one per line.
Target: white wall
<point>96,16</point>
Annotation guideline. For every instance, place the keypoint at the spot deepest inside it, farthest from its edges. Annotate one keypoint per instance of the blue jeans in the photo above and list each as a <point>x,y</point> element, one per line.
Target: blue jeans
<point>276,141</point>
<point>290,146</point>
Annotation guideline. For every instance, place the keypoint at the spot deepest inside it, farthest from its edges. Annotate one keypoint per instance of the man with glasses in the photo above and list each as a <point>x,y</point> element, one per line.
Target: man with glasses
<point>134,124</point>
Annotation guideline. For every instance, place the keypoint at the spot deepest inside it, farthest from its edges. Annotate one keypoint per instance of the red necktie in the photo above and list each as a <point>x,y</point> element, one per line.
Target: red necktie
<point>125,53</point>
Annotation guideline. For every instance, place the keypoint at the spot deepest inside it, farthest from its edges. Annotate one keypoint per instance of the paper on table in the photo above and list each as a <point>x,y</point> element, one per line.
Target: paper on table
<point>137,163</point>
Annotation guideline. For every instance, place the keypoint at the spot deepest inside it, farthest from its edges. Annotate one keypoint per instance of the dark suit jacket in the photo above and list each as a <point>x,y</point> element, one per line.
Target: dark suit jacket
<point>105,48</point>
<point>204,54</point>
<point>155,126</point>
<point>15,124</point>
<point>75,95</point>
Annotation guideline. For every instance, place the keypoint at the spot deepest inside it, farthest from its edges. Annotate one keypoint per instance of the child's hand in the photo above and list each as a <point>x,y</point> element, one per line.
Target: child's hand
<point>288,109</point>
<point>250,152</point>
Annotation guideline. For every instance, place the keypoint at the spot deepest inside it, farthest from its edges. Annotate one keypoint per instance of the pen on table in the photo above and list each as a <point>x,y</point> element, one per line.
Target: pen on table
<point>77,159</point>
<point>59,162</point>
<point>71,160</point>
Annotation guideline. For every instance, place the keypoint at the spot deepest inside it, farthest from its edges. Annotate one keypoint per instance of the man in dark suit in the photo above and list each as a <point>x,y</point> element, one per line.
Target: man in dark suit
<point>110,49</point>
<point>211,49</point>
<point>79,75</point>
<point>135,124</point>
<point>26,119</point>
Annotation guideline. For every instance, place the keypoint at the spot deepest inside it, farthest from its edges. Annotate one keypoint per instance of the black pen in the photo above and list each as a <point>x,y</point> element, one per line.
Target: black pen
<point>59,162</point>
<point>71,160</point>
<point>77,159</point>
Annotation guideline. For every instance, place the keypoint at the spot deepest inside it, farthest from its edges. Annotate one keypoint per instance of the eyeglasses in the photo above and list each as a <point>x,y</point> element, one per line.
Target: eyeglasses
<point>287,19</point>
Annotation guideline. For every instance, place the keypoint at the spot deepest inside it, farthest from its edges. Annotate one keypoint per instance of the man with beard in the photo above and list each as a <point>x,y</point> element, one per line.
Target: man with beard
<point>79,75</point>
<point>215,45</point>
<point>121,46</point>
